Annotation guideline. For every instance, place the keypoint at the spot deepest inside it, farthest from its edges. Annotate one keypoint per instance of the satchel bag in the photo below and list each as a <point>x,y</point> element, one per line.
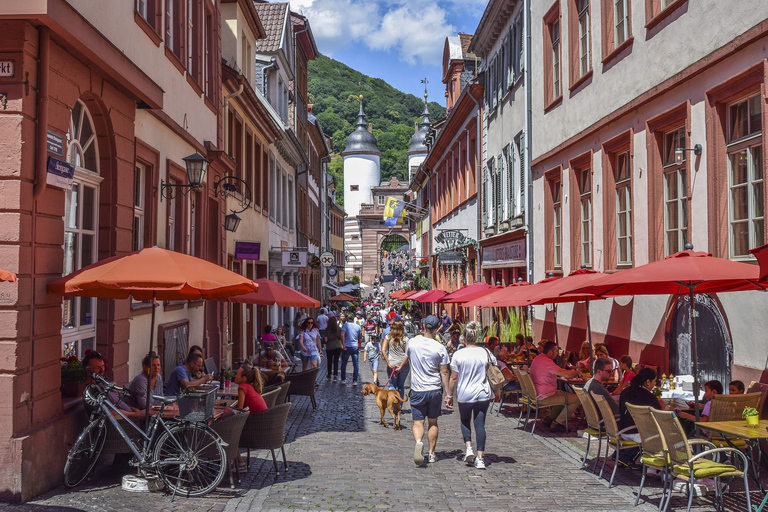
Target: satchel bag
<point>493,374</point>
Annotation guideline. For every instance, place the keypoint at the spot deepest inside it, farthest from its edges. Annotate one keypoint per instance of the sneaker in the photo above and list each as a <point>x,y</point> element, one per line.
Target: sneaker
<point>479,463</point>
<point>431,458</point>
<point>354,383</point>
<point>469,456</point>
<point>328,377</point>
<point>418,456</point>
<point>334,378</point>
<point>344,382</point>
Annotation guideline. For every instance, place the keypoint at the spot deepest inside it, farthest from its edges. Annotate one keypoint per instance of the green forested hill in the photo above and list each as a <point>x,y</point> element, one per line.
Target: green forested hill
<point>334,89</point>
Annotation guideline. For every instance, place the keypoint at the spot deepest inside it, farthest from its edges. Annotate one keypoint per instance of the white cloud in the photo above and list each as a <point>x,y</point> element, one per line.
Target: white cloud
<point>415,29</point>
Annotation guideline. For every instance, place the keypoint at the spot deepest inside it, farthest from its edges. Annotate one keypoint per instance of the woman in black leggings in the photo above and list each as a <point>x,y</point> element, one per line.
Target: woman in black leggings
<point>473,393</point>
<point>333,347</point>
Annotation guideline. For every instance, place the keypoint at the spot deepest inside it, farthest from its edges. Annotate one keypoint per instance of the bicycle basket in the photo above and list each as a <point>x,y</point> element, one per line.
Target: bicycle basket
<point>196,404</point>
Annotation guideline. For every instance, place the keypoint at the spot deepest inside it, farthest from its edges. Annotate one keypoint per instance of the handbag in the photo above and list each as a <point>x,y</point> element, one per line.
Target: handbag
<point>493,374</point>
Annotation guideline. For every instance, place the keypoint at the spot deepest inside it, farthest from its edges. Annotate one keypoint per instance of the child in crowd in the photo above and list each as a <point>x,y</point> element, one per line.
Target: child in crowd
<point>372,351</point>
<point>736,388</point>
<point>711,388</point>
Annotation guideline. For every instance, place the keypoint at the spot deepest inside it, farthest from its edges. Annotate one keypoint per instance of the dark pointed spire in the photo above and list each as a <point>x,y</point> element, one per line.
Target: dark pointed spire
<point>361,140</point>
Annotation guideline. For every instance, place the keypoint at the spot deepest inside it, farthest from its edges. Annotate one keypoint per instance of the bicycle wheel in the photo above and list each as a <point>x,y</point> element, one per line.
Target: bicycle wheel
<point>85,452</point>
<point>190,459</point>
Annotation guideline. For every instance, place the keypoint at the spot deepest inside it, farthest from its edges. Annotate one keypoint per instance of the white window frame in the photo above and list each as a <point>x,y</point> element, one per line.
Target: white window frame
<point>557,224</point>
<point>623,188</point>
<point>381,200</point>
<point>585,215</point>
<point>585,57</point>
<point>677,175</point>
<point>141,8</point>
<point>620,23</point>
<point>556,82</point>
<point>749,147</point>
<point>139,205</point>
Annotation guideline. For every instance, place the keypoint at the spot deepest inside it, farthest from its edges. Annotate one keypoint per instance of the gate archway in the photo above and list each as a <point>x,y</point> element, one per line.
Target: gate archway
<point>392,245</point>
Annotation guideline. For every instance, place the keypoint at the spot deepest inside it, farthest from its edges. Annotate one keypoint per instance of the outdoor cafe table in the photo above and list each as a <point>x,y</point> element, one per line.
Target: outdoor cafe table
<point>739,429</point>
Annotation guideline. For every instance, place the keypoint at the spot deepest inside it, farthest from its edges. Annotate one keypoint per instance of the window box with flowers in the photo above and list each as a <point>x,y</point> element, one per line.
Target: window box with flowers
<point>73,376</point>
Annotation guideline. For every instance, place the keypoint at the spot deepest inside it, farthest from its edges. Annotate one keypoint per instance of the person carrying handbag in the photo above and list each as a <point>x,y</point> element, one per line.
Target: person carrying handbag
<point>473,384</point>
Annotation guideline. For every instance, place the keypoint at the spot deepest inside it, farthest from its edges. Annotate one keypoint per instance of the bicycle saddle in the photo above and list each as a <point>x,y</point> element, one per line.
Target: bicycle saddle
<point>166,400</point>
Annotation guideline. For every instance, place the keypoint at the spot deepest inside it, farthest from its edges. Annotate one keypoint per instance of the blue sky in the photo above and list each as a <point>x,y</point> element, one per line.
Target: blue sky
<point>398,41</point>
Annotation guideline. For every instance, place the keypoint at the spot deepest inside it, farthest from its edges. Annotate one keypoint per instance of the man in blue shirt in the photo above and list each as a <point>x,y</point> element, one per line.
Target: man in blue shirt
<point>350,341</point>
<point>180,379</point>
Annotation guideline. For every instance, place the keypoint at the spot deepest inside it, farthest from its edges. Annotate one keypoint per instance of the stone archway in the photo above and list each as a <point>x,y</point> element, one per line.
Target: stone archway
<point>390,253</point>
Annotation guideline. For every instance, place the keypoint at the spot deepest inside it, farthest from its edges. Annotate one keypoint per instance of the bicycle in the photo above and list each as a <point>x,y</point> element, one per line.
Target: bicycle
<point>187,455</point>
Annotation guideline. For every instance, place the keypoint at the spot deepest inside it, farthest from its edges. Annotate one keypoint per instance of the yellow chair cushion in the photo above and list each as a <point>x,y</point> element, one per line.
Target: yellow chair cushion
<point>656,461</point>
<point>625,442</point>
<point>722,443</point>
<point>704,468</point>
<point>592,431</point>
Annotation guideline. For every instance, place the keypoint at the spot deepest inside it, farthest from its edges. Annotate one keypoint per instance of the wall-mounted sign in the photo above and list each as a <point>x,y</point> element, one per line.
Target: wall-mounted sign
<point>450,237</point>
<point>510,254</point>
<point>55,144</point>
<point>327,259</point>
<point>314,261</point>
<point>294,258</point>
<point>247,250</point>
<point>332,271</point>
<point>60,173</point>
<point>450,258</point>
<point>7,68</point>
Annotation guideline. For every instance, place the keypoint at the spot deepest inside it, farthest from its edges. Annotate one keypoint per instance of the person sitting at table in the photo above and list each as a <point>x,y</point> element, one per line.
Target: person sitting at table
<point>544,373</point>
<point>269,358</point>
<point>736,387</point>
<point>248,380</point>
<point>601,350</point>
<point>583,361</point>
<point>197,349</point>
<point>596,385</point>
<point>638,393</point>
<point>180,378</point>
<point>534,351</point>
<point>711,388</point>
<point>94,364</point>
<point>627,374</point>
<point>138,386</point>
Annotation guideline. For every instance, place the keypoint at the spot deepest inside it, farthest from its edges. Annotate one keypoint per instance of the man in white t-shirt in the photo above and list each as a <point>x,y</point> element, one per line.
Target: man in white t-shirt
<point>429,376</point>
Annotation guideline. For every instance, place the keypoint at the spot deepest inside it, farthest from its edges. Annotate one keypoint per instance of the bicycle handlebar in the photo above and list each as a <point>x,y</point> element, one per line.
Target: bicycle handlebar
<point>109,386</point>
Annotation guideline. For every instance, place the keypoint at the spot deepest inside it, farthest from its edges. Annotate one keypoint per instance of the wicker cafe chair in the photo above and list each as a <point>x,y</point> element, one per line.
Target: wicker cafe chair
<point>283,388</point>
<point>759,387</point>
<point>230,429</point>
<point>594,424</point>
<point>529,389</point>
<point>730,408</point>
<point>270,397</point>
<point>303,383</point>
<point>652,447</point>
<point>265,430</point>
<point>613,434</point>
<point>689,467</point>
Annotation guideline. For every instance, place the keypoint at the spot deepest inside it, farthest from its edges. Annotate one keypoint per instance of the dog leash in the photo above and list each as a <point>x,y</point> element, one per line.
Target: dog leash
<point>394,372</point>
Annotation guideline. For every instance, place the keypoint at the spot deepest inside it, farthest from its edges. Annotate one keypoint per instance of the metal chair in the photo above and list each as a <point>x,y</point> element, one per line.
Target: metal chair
<point>690,467</point>
<point>613,434</point>
<point>594,424</point>
<point>652,447</point>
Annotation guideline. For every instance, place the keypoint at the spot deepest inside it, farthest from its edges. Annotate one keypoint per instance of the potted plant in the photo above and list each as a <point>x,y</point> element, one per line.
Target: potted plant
<point>229,374</point>
<point>73,376</point>
<point>752,416</point>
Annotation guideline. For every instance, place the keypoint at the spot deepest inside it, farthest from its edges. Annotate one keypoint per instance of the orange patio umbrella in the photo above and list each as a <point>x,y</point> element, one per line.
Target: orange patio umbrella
<point>488,300</point>
<point>467,293</point>
<point>152,274</point>
<point>7,276</point>
<point>271,293</point>
<point>342,297</point>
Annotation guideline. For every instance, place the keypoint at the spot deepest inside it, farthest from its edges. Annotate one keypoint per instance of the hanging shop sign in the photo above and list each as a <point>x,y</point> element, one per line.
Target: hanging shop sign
<point>314,261</point>
<point>7,68</point>
<point>332,271</point>
<point>327,259</point>
<point>294,258</point>
<point>510,254</point>
<point>450,237</point>
<point>60,173</point>
<point>247,250</point>
<point>450,258</point>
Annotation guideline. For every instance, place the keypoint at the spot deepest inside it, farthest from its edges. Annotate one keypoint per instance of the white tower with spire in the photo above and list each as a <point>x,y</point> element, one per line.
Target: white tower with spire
<point>362,172</point>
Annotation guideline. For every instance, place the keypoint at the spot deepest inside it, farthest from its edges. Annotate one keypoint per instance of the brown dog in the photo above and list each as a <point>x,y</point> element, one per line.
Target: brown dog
<point>388,399</point>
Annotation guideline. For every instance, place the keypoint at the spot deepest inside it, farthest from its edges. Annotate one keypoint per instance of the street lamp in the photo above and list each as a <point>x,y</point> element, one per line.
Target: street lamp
<point>230,186</point>
<point>231,222</point>
<point>196,166</point>
<point>680,153</point>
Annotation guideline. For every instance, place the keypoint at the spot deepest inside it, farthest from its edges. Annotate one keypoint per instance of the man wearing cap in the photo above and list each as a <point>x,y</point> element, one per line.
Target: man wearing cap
<point>429,371</point>
<point>268,358</point>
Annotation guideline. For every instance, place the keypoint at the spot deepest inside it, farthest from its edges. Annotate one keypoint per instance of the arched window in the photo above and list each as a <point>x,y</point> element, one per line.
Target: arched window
<point>81,227</point>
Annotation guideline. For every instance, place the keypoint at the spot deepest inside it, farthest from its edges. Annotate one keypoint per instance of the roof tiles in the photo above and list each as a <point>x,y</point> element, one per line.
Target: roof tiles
<point>272,16</point>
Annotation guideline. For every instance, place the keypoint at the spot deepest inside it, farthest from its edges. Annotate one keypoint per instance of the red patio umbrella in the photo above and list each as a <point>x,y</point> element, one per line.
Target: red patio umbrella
<point>7,276</point>
<point>271,293</point>
<point>152,274</point>
<point>686,272</point>
<point>459,296</point>
<point>516,296</point>
<point>489,299</point>
<point>342,297</point>
<point>418,295</point>
<point>409,294</point>
<point>398,293</point>
<point>432,296</point>
<point>762,259</point>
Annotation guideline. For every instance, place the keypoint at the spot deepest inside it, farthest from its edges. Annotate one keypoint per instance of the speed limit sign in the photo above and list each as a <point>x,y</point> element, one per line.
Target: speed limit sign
<point>327,259</point>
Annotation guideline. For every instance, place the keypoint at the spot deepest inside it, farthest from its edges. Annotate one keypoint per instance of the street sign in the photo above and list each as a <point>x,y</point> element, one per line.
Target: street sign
<point>327,259</point>
<point>332,271</point>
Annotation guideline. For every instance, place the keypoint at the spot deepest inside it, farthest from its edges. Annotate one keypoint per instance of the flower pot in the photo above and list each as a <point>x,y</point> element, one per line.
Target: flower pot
<point>72,388</point>
<point>227,383</point>
<point>752,421</point>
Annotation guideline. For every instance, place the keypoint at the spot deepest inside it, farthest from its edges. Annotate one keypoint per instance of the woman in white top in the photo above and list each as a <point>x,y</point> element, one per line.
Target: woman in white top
<point>310,343</point>
<point>473,392</point>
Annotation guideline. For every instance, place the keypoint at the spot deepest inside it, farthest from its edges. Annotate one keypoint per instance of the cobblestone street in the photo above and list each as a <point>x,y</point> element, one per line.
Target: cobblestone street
<point>341,459</point>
